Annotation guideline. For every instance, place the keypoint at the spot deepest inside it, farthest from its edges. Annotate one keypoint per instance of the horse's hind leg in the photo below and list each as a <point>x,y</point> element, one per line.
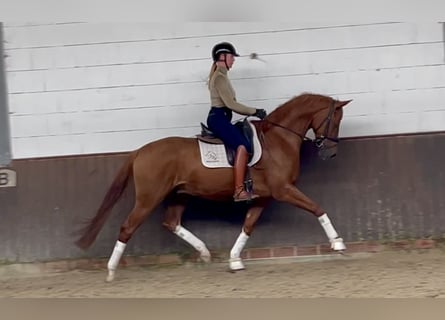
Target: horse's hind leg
<point>172,222</point>
<point>140,211</point>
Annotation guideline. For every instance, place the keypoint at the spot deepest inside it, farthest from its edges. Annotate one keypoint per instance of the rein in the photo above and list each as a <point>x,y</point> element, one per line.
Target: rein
<point>318,141</point>
<point>290,130</point>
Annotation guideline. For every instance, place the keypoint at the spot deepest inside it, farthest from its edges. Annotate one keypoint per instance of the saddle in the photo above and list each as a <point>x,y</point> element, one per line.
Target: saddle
<point>242,125</point>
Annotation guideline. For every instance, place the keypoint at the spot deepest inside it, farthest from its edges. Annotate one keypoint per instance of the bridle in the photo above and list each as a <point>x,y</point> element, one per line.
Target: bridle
<point>318,141</point>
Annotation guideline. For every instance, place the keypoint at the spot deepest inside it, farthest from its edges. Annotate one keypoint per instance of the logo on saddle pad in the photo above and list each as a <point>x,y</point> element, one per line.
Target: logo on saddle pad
<point>214,155</point>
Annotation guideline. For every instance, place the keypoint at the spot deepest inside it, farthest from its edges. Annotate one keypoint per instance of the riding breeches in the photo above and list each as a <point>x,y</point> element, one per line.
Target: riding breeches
<point>219,123</point>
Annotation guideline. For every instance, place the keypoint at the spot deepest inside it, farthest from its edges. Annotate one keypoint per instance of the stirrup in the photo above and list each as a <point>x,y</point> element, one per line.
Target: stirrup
<point>243,195</point>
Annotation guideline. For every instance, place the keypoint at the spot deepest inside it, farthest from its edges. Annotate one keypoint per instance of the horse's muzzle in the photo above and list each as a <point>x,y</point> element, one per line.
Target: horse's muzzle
<point>326,152</point>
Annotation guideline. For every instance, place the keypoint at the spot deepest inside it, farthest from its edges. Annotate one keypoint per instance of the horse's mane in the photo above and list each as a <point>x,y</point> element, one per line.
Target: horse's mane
<point>304,99</point>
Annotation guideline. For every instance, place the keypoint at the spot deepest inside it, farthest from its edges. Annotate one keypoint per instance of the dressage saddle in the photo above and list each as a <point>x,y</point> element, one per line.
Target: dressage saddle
<point>242,125</point>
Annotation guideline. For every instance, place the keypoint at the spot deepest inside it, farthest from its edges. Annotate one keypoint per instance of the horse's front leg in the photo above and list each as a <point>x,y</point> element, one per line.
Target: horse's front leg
<point>254,212</point>
<point>290,194</point>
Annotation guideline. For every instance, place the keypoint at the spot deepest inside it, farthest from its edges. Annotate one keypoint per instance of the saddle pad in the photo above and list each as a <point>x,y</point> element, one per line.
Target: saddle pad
<point>214,155</point>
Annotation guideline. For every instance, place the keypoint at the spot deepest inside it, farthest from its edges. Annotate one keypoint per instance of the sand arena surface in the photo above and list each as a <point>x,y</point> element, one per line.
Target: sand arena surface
<point>385,274</point>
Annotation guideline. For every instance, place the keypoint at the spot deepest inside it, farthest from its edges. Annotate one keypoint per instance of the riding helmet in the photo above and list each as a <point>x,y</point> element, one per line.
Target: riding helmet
<point>223,47</point>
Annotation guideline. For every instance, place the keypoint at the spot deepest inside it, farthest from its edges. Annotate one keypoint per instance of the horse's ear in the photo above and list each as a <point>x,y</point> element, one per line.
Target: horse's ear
<point>341,104</point>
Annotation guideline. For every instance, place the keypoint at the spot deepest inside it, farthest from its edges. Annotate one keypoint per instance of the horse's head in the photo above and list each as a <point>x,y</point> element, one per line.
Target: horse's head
<point>326,124</point>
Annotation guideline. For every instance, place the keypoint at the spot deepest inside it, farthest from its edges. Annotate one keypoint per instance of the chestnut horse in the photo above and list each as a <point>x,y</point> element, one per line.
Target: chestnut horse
<point>172,167</point>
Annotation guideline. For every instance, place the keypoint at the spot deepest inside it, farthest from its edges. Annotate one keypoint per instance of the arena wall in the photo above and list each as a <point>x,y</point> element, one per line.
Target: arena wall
<point>82,95</point>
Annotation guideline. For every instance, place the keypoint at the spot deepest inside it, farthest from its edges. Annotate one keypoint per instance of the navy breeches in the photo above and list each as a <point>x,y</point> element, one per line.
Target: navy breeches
<point>219,122</point>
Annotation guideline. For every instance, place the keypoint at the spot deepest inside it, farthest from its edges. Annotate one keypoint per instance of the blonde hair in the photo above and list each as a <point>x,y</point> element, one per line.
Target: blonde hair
<point>212,71</point>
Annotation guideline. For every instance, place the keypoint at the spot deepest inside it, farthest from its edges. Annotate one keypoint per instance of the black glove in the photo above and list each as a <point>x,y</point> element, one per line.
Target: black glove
<point>260,113</point>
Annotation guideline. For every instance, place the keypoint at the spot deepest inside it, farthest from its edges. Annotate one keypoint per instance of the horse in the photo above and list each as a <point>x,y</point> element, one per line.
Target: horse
<point>171,168</point>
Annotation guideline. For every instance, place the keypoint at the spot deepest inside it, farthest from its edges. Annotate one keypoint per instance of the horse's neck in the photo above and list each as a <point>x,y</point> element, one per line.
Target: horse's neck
<point>297,123</point>
<point>283,149</point>
<point>287,141</point>
<point>283,142</point>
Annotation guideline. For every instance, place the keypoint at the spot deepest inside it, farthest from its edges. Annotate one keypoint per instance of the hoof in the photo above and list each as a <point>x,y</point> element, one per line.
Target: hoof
<point>344,254</point>
<point>205,258</point>
<point>236,264</point>
<point>110,276</point>
<point>338,245</point>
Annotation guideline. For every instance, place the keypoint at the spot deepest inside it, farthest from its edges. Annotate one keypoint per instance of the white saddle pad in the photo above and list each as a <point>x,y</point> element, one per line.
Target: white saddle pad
<point>214,155</point>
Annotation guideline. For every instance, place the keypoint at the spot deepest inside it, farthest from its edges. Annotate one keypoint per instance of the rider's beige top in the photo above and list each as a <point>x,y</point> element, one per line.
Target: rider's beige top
<point>222,93</point>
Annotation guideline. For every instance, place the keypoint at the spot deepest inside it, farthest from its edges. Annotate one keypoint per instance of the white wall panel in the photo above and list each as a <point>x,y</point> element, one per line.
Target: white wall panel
<point>277,41</point>
<point>94,142</point>
<point>314,36</point>
<point>410,100</point>
<point>197,70</point>
<point>87,88</point>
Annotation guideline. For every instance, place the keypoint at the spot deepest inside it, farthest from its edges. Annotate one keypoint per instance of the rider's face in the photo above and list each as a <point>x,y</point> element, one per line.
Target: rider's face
<point>230,59</point>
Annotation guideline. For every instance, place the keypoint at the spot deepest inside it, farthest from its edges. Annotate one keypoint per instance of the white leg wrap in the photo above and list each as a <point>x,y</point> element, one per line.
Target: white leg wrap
<point>336,242</point>
<point>118,250</point>
<point>239,245</point>
<point>196,243</point>
<point>327,226</point>
<point>116,255</point>
<point>235,262</point>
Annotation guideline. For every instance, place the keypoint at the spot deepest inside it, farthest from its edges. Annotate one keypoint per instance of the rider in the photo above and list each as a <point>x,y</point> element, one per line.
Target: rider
<point>223,101</point>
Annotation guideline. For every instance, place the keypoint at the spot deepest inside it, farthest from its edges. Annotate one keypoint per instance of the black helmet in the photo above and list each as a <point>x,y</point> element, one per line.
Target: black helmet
<point>223,47</point>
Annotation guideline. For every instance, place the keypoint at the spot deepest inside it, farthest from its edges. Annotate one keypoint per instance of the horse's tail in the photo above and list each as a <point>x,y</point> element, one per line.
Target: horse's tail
<point>93,226</point>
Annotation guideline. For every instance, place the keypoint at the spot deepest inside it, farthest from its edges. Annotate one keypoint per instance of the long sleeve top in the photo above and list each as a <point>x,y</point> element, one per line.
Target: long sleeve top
<point>222,93</point>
